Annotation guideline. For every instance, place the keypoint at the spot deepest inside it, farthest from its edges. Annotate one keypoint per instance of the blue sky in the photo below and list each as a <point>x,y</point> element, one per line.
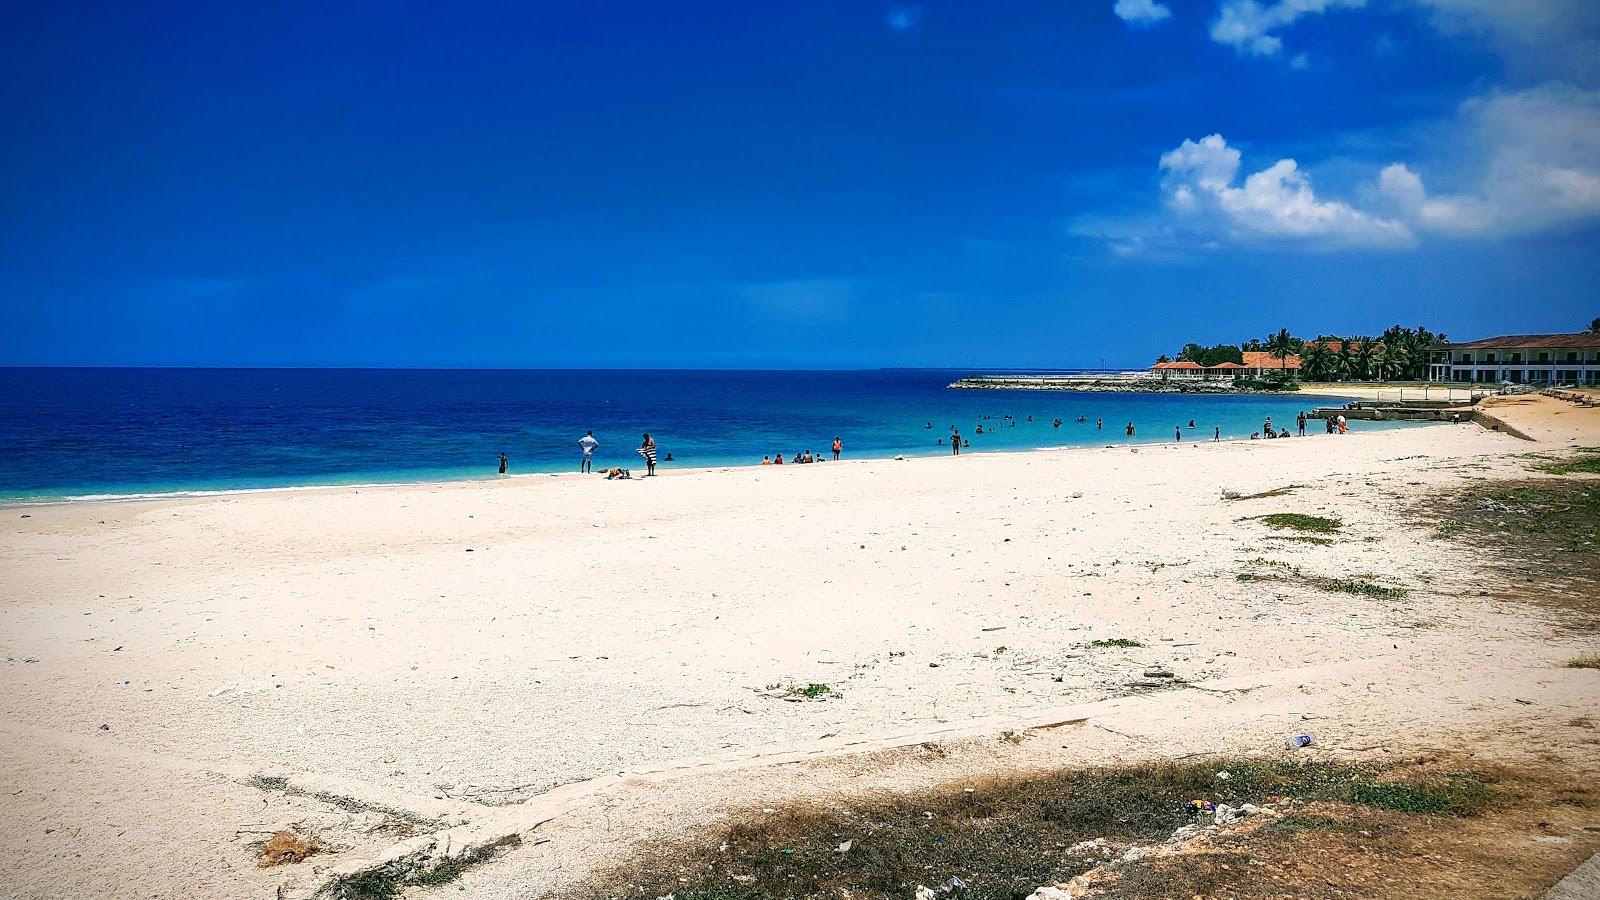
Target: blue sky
<point>808,183</point>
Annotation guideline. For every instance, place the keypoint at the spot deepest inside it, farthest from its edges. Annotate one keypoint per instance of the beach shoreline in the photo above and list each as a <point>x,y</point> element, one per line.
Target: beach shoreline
<point>187,493</point>
<point>460,651</point>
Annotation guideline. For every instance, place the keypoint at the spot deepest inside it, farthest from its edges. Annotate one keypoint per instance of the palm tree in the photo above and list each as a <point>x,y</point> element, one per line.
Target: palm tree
<point>1280,345</point>
<point>1365,357</point>
<point>1317,361</point>
<point>1395,361</point>
<point>1346,358</point>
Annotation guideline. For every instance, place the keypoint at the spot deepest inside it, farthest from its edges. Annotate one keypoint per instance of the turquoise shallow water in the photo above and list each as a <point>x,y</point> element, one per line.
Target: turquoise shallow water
<point>77,433</point>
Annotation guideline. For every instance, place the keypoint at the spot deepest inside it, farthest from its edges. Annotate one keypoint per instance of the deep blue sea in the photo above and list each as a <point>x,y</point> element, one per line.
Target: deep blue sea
<point>77,433</point>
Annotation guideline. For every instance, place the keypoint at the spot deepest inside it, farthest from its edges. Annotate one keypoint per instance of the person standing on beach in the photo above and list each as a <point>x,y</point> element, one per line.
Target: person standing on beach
<point>955,442</point>
<point>1177,431</point>
<point>502,464</point>
<point>588,445</point>
<point>648,451</point>
<point>837,446</point>
<point>1300,421</point>
<point>1218,436</point>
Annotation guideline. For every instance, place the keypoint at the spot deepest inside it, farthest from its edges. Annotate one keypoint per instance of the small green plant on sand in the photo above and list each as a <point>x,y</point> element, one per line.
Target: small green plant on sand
<point>814,691</point>
<point>1302,522</point>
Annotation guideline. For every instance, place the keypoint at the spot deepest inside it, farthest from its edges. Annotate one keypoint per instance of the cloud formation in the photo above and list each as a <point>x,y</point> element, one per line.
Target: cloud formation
<point>1540,39</point>
<point>1248,26</point>
<point>1541,166</point>
<point>1141,12</point>
<point>1277,203</point>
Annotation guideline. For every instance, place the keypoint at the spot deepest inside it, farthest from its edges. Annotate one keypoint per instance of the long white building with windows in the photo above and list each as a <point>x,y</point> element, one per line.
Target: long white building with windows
<point>1520,359</point>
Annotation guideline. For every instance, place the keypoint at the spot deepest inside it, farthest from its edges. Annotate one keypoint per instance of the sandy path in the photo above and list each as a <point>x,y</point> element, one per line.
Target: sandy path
<point>349,637</point>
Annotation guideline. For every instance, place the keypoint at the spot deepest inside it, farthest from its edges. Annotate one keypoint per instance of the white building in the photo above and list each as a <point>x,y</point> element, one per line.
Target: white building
<point>1520,359</point>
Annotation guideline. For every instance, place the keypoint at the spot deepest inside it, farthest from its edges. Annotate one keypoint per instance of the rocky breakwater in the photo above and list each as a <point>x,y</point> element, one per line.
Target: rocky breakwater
<point>1094,384</point>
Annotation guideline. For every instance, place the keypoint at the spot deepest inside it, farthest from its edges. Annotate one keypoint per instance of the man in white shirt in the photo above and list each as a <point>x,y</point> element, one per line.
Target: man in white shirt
<point>587,444</point>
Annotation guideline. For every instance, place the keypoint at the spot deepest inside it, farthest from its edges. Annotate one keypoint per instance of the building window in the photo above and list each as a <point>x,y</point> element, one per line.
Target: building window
<point>1489,358</point>
<point>1544,357</point>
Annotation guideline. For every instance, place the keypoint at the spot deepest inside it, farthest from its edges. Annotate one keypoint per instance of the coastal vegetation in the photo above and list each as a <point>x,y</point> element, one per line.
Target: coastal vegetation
<point>1399,353</point>
<point>1004,836</point>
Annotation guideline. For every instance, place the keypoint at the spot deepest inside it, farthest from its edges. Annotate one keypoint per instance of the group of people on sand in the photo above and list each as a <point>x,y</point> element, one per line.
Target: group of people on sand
<point>805,456</point>
<point>587,445</point>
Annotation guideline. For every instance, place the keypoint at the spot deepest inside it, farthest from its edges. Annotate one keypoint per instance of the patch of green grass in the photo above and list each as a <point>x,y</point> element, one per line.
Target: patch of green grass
<point>1583,465</point>
<point>1592,661</point>
<point>1115,642</point>
<point>1459,794</point>
<point>1302,522</point>
<point>1314,822</point>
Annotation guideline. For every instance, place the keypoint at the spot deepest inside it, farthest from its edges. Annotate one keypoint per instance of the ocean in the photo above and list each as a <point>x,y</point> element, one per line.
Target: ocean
<point>100,433</point>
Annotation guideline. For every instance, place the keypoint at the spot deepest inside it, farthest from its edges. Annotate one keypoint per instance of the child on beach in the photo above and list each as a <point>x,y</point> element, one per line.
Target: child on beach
<point>837,446</point>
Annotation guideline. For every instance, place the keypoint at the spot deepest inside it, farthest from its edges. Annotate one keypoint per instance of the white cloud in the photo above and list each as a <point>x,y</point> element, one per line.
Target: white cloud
<point>1274,204</point>
<point>1141,12</point>
<point>1540,168</point>
<point>1248,26</point>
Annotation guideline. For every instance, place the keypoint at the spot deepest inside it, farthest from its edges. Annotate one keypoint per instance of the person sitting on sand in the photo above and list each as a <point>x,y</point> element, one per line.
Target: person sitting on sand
<point>1255,435</point>
<point>777,459</point>
<point>614,474</point>
<point>1284,433</point>
<point>797,460</point>
<point>766,460</point>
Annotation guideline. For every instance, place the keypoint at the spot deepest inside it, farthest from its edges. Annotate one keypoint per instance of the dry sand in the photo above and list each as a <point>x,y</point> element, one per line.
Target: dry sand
<point>439,654</point>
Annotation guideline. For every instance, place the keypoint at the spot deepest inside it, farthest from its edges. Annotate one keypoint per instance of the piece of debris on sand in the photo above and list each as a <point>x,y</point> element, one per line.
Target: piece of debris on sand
<point>285,847</point>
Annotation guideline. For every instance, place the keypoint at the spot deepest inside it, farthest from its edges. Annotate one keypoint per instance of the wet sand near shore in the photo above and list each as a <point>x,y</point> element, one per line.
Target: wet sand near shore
<point>441,654</point>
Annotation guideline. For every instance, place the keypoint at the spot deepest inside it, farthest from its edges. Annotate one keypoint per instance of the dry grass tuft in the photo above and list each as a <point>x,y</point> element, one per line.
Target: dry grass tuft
<point>285,848</point>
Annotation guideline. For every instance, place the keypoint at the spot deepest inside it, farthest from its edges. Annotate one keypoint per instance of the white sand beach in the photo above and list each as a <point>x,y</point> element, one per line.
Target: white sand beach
<point>447,654</point>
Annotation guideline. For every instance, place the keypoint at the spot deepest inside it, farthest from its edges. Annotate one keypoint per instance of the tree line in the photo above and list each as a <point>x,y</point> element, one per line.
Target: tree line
<point>1400,353</point>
